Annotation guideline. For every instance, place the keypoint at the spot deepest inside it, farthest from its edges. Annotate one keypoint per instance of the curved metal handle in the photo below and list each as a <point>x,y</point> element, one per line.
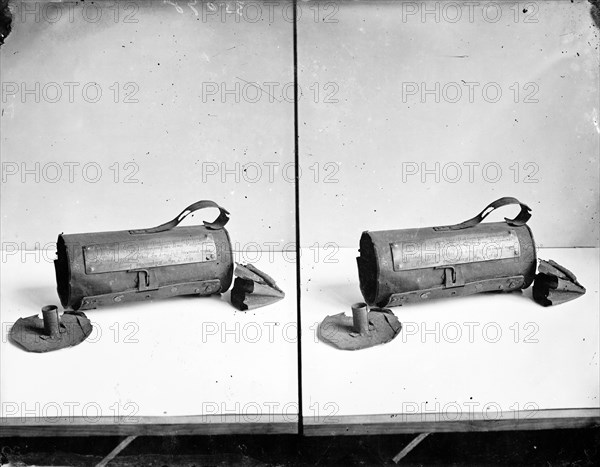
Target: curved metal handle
<point>521,218</point>
<point>217,224</point>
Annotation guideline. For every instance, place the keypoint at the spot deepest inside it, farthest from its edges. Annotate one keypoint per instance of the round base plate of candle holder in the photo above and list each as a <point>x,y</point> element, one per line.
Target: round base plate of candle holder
<point>52,332</point>
<point>365,328</point>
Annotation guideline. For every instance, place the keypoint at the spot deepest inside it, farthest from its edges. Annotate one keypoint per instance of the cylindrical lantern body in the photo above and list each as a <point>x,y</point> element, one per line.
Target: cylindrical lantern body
<point>412,265</point>
<point>98,269</point>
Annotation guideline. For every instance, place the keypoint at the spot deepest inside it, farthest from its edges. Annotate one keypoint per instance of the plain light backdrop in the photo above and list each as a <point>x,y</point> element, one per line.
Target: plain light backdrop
<point>385,140</point>
<point>400,156</point>
<point>181,124</point>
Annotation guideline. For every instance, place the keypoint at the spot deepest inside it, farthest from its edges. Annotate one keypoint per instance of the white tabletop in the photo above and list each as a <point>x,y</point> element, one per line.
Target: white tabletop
<point>192,357</point>
<point>482,357</point>
<point>142,367</point>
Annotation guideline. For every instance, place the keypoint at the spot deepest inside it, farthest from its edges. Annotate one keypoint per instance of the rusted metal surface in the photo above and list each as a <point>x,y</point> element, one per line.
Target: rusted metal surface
<point>555,284</point>
<point>365,328</point>
<point>411,265</point>
<point>149,253</point>
<point>253,288</point>
<point>105,268</point>
<point>52,332</point>
<point>427,251</point>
